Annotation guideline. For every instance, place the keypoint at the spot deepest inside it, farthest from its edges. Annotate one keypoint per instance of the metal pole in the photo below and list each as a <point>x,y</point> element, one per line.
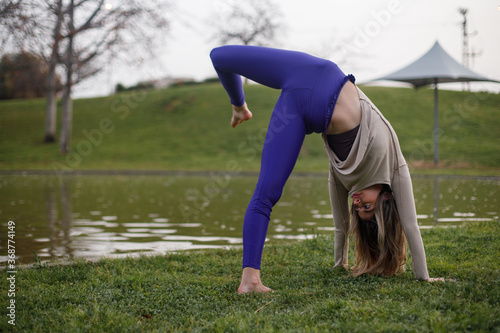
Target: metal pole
<point>436,200</point>
<point>436,124</point>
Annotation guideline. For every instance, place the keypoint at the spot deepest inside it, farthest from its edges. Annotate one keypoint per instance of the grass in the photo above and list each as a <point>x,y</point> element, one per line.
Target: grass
<point>187,128</point>
<point>196,291</point>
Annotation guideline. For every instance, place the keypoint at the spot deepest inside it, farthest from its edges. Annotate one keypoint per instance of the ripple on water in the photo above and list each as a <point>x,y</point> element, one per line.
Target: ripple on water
<point>137,234</point>
<point>204,239</point>
<point>109,225</point>
<point>145,224</point>
<point>105,224</point>
<point>160,219</point>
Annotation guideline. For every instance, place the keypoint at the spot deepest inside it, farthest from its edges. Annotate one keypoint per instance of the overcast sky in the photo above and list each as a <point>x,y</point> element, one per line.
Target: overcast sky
<point>382,35</point>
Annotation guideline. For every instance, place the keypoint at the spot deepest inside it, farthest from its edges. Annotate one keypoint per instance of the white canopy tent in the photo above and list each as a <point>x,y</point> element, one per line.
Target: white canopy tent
<point>435,66</point>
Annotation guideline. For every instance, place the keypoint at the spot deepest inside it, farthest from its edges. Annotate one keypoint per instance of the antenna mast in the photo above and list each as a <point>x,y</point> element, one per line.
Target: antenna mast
<point>466,55</point>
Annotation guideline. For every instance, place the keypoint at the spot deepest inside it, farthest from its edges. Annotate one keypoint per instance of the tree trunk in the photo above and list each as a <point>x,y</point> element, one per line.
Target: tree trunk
<point>51,107</point>
<point>67,105</point>
<point>67,120</point>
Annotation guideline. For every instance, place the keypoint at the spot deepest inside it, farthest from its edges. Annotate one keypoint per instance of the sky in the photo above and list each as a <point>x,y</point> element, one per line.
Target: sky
<point>377,37</point>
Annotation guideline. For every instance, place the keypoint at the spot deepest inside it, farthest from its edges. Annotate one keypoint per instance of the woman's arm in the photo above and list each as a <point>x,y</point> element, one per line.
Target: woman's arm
<point>405,202</point>
<point>340,209</point>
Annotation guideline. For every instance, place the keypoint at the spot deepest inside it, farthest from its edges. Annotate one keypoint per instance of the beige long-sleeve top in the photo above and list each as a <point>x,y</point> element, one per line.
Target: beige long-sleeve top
<point>375,158</point>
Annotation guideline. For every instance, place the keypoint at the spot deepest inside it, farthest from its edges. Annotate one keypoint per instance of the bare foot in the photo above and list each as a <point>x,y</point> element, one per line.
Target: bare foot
<point>240,114</point>
<point>251,283</point>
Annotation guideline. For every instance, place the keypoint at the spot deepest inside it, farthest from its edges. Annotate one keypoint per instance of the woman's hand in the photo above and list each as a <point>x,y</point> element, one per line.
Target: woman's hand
<point>240,114</point>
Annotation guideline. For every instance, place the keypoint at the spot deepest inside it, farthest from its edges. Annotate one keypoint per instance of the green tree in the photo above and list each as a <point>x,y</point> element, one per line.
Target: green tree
<point>23,75</point>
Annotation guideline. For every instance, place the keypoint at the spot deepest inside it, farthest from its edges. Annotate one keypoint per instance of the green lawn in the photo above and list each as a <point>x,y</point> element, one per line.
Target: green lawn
<point>196,291</point>
<point>187,128</point>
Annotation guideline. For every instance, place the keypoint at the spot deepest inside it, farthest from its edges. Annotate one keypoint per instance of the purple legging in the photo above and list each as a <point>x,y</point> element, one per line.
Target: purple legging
<point>309,90</point>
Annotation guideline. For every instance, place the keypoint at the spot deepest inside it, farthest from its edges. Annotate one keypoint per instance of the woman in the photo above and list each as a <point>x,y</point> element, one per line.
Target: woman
<point>316,96</point>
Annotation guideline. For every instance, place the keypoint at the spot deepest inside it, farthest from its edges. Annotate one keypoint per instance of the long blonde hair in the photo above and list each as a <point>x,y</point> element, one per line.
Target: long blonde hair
<point>380,243</point>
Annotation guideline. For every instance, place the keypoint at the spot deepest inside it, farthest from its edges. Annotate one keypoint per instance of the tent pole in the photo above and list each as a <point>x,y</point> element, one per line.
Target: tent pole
<point>436,124</point>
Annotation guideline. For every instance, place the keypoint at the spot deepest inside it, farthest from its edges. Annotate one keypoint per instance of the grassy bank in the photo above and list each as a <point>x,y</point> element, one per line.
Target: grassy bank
<point>197,291</point>
<point>187,128</point>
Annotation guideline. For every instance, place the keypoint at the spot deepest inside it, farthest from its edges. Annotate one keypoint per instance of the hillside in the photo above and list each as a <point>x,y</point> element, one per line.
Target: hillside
<point>187,128</point>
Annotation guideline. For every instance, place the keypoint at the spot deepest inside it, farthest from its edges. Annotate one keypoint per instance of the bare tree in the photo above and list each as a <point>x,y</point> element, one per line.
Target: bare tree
<point>53,60</point>
<point>74,37</point>
<point>341,50</point>
<point>254,22</point>
<point>9,8</point>
<point>14,19</point>
<point>67,103</point>
<point>129,28</point>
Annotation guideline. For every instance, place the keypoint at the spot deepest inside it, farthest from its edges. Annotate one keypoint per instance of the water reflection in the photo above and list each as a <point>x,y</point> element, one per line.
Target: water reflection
<point>91,216</point>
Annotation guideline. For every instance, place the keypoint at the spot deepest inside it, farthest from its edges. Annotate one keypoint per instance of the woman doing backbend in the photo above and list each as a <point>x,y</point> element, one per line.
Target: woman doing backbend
<point>366,162</point>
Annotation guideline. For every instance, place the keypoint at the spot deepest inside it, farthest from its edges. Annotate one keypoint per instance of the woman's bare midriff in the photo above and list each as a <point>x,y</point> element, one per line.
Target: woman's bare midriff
<point>347,112</point>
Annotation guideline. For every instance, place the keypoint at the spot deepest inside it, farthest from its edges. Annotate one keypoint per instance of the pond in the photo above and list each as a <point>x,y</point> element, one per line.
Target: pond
<point>94,216</point>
